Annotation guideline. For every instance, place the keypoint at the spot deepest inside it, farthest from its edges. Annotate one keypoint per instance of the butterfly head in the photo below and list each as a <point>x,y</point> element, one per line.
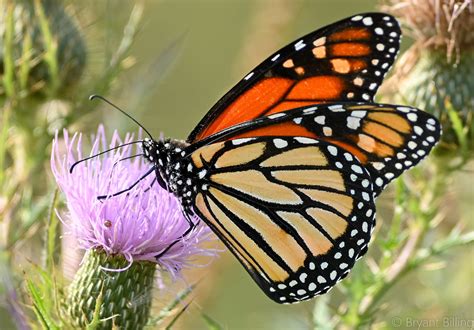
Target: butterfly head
<point>155,152</point>
<point>151,150</point>
<point>160,153</point>
<point>170,165</point>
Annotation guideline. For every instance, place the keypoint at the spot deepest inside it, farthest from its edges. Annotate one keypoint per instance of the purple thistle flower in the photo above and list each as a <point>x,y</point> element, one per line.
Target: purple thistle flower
<point>139,224</point>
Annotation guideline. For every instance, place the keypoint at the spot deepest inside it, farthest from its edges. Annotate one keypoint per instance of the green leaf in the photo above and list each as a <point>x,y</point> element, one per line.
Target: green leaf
<point>7,109</point>
<point>115,65</point>
<point>321,314</point>
<point>169,309</point>
<point>177,316</point>
<point>96,317</point>
<point>50,44</point>
<point>42,312</point>
<point>32,212</point>
<point>51,234</point>
<point>8,60</point>
<point>103,83</point>
<point>458,127</point>
<point>453,240</point>
<point>25,61</point>
<point>211,323</point>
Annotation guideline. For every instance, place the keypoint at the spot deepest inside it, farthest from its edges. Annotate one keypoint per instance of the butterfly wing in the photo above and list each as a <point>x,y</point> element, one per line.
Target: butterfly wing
<point>296,212</point>
<point>386,139</point>
<point>345,61</point>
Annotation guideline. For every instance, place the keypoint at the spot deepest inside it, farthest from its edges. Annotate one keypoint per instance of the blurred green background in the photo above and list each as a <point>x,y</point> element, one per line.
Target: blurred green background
<point>219,42</point>
<point>186,55</point>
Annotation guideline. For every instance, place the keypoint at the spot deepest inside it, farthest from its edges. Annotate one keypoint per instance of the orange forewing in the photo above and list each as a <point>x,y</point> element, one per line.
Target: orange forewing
<point>351,34</point>
<point>350,49</point>
<point>317,88</point>
<point>343,62</point>
<point>250,104</point>
<point>274,95</point>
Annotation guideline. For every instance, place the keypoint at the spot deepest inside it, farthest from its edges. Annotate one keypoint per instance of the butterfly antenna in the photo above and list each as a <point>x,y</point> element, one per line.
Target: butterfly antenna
<point>101,153</point>
<point>95,96</point>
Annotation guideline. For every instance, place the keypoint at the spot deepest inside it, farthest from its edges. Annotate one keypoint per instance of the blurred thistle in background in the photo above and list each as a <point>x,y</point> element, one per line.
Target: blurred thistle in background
<point>43,49</point>
<point>55,53</point>
<point>437,73</point>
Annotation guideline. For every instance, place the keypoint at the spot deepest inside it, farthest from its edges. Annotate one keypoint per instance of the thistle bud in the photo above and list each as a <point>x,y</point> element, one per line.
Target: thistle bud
<point>436,74</point>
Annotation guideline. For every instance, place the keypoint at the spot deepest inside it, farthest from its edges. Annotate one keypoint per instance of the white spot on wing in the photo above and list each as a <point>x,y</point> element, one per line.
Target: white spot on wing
<point>404,109</point>
<point>356,168</point>
<point>353,123</point>
<point>359,113</point>
<point>332,150</point>
<point>300,45</point>
<point>368,21</point>
<point>274,58</point>
<point>277,115</point>
<point>241,141</point>
<point>250,75</point>
<point>336,108</point>
<point>412,117</point>
<point>279,143</point>
<point>320,120</point>
<point>310,110</point>
<point>202,174</point>
<point>305,140</point>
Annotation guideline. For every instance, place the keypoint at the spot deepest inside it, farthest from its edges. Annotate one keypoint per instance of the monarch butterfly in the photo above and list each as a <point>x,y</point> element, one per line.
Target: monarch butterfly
<point>286,166</point>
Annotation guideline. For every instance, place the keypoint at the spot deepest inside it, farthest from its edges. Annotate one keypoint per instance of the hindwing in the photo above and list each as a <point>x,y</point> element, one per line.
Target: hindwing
<point>296,212</point>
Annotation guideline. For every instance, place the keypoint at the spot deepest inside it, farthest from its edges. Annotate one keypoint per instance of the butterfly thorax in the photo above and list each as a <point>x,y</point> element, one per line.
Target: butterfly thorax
<point>174,172</point>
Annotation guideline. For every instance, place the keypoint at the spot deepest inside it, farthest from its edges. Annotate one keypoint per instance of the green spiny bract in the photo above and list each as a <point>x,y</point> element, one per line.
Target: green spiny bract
<point>435,86</point>
<point>124,297</point>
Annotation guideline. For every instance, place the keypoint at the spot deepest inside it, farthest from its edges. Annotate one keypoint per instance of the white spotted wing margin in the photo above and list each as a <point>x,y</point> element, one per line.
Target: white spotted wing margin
<point>387,139</point>
<point>296,212</point>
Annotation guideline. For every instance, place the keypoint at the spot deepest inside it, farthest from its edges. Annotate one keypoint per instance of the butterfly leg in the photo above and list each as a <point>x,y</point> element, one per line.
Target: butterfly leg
<point>127,158</point>
<point>191,224</point>
<point>129,188</point>
<point>121,160</point>
<point>151,185</point>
